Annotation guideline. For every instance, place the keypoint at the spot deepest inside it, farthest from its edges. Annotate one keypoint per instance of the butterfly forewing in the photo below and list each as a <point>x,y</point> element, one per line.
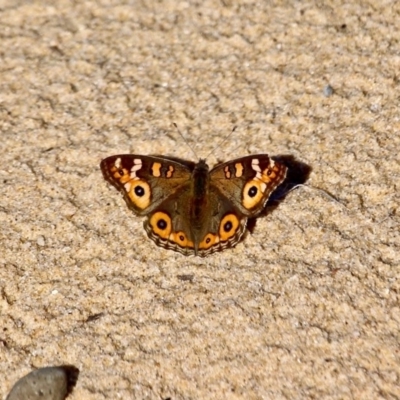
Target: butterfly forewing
<point>144,181</point>
<point>249,181</point>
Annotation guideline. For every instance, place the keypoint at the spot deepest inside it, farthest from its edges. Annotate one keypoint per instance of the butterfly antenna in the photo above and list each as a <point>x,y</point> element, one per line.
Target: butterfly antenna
<point>222,142</point>
<point>184,139</point>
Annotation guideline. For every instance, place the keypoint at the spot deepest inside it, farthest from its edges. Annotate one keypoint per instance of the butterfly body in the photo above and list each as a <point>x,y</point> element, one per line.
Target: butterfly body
<point>189,208</point>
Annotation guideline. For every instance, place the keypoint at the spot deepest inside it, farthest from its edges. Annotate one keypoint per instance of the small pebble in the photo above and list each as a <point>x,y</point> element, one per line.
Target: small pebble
<point>50,383</point>
<point>328,91</point>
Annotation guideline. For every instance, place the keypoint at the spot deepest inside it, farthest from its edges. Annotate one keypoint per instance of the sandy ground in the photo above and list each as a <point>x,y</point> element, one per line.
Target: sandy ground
<point>307,306</point>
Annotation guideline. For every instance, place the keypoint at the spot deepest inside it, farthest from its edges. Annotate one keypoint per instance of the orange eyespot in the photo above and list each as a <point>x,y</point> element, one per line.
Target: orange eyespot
<point>269,174</point>
<point>181,239</point>
<point>208,241</point>
<point>160,223</point>
<point>120,174</point>
<point>139,192</point>
<point>252,193</point>
<point>228,227</point>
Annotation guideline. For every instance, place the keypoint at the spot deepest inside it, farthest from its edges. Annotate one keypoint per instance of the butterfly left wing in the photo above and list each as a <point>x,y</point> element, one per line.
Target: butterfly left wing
<point>248,182</point>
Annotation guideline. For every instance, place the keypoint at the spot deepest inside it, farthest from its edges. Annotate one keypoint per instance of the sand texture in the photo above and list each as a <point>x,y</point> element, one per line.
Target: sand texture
<point>307,305</point>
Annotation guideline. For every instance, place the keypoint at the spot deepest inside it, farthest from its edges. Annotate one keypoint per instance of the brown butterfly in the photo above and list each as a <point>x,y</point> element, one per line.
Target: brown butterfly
<point>189,208</point>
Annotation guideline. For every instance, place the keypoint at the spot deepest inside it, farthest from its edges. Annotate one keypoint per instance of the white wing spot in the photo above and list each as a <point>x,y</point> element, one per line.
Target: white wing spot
<point>255,165</point>
<point>137,164</point>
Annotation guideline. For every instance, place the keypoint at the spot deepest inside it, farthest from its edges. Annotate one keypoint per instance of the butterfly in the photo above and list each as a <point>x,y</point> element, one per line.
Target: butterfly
<point>188,207</point>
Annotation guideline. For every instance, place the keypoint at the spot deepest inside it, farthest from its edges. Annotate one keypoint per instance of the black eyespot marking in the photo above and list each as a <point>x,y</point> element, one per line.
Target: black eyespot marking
<point>228,226</point>
<point>208,240</point>
<point>121,172</point>
<point>161,224</point>
<point>252,191</point>
<point>139,191</point>
<point>181,238</point>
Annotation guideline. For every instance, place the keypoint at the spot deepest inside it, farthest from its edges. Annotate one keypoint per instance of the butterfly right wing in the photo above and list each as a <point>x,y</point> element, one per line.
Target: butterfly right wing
<point>145,181</point>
